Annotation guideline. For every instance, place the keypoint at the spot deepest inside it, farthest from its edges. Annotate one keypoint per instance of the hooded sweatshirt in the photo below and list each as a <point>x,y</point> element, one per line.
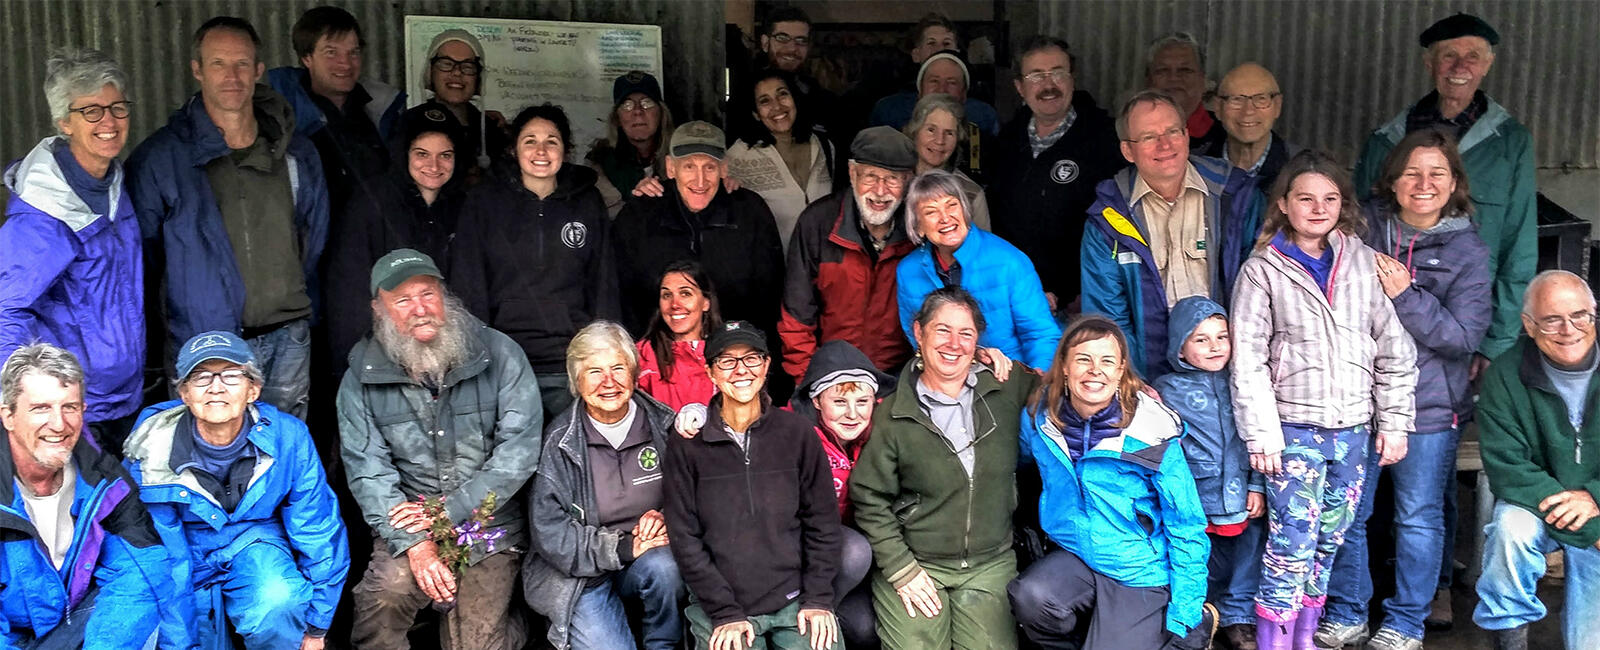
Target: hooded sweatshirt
<point>833,357</point>
<point>1447,309</point>
<point>1217,456</point>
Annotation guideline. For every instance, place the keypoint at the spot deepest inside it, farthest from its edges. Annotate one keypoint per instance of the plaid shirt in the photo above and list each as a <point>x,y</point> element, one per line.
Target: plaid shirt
<point>1325,359</point>
<point>1426,114</point>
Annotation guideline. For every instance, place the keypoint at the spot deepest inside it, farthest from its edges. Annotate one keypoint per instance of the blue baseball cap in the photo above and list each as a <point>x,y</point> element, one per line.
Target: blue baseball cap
<point>206,346</point>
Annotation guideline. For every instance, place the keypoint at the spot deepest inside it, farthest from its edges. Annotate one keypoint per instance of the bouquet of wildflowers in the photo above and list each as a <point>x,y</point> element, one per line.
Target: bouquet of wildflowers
<point>456,540</point>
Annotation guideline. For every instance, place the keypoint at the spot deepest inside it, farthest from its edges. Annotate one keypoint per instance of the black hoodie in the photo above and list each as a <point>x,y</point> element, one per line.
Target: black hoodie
<point>536,269</point>
<point>1039,204</point>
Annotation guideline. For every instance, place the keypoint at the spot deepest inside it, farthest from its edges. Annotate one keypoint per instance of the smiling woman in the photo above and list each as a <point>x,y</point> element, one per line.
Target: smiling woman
<point>779,153</point>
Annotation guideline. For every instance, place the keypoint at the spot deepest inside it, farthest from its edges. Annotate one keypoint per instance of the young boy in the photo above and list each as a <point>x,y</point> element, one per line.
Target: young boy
<point>1199,350</point>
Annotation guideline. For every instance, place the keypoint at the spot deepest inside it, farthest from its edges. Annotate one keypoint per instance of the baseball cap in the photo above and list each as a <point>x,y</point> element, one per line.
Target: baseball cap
<point>206,346</point>
<point>735,332</point>
<point>399,265</point>
<point>698,137</point>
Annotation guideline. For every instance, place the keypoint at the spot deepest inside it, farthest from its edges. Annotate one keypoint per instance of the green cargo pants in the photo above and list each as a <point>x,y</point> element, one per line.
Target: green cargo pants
<point>779,630</point>
<point>975,612</point>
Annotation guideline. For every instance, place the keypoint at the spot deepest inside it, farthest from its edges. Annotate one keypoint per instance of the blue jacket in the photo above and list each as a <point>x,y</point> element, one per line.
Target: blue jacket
<point>1007,289</point>
<point>75,279</point>
<point>1447,310</point>
<point>384,110</point>
<point>115,550</point>
<point>172,196</point>
<point>288,504</point>
<point>1119,274</point>
<point>1217,456</point>
<point>1128,507</point>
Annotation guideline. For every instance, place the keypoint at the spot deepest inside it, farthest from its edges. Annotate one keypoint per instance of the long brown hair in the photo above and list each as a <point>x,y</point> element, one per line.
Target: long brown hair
<point>660,336</point>
<point>1311,162</point>
<point>1394,166</point>
<point>1054,387</point>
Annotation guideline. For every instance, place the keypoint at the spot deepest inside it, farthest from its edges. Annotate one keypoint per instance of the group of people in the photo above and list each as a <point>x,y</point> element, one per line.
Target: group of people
<point>721,388</point>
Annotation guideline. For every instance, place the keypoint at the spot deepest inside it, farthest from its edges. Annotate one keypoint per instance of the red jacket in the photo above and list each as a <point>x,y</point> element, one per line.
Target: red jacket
<point>690,384</point>
<point>835,290</point>
<point>840,461</point>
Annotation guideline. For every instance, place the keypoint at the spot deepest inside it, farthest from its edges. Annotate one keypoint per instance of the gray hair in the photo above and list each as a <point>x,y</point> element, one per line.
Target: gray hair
<point>953,295</point>
<point>1175,38</point>
<point>930,185</point>
<point>71,73</point>
<point>926,106</point>
<point>595,338</point>
<point>450,348</point>
<point>37,359</point>
<point>1546,277</point>
<point>1146,96</point>
<point>252,372</point>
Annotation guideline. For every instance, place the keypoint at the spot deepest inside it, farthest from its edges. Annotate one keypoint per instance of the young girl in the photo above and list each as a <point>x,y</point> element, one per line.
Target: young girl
<point>672,354</point>
<point>1199,350</point>
<point>1317,349</point>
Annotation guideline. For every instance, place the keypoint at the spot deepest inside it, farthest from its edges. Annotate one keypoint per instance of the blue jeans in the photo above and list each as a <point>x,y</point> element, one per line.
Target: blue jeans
<point>1310,504</point>
<point>284,356</point>
<point>1235,572</point>
<point>263,595</point>
<point>600,622</point>
<point>1420,481</point>
<point>1513,562</point>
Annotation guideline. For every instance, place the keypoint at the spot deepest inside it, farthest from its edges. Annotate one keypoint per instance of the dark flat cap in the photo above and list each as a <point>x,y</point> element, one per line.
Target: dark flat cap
<point>1457,26</point>
<point>882,146</point>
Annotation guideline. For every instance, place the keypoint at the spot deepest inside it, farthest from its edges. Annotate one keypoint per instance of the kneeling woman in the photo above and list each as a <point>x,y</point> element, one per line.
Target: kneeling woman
<point>943,544</point>
<point>596,506</point>
<point>1120,502</point>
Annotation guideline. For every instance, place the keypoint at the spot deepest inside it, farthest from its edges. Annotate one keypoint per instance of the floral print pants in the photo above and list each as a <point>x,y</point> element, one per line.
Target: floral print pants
<point>1310,504</point>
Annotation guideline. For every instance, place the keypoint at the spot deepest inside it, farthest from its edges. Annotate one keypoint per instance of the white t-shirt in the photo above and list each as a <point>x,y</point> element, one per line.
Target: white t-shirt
<point>615,433</point>
<point>52,515</point>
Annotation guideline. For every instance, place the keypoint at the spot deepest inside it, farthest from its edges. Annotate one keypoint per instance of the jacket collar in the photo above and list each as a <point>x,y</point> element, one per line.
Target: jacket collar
<point>574,439</point>
<point>1488,125</point>
<point>193,125</point>
<point>1143,442</point>
<point>715,431</point>
<point>38,180</point>
<point>904,404</point>
<point>847,226</point>
<point>1530,368</point>
<point>93,466</point>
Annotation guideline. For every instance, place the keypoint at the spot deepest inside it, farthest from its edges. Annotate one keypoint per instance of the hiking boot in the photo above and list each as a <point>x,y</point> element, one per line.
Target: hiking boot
<point>1440,616</point>
<point>1334,636</point>
<point>1239,637</point>
<point>1513,639</point>
<point>1391,639</point>
<point>1209,617</point>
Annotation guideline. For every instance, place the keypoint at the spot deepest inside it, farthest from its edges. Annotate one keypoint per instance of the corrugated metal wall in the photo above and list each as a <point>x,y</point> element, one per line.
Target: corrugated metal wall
<point>1347,66</point>
<point>150,38</point>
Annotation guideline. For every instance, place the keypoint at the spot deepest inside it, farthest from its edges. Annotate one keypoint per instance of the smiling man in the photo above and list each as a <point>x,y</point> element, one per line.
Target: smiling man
<point>1536,411</point>
<point>436,404</point>
<point>62,498</point>
<point>1176,65</point>
<point>1497,151</point>
<point>731,234</point>
<point>1170,227</point>
<point>1248,105</point>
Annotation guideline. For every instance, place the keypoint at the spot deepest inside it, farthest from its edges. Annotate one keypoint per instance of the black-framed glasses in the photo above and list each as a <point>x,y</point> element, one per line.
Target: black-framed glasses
<point>469,67</point>
<point>752,360</point>
<point>1583,320</point>
<point>629,106</point>
<point>1261,101</point>
<point>96,112</point>
<point>228,377</point>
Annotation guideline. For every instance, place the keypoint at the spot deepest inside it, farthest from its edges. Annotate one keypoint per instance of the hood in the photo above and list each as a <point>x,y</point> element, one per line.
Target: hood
<point>1388,232</point>
<point>1187,315</point>
<point>829,358</point>
<point>37,180</point>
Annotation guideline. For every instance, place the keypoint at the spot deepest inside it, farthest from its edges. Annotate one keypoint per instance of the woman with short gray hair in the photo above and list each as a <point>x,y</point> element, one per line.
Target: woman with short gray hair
<point>600,538</point>
<point>73,270</point>
<point>936,125</point>
<point>951,252</point>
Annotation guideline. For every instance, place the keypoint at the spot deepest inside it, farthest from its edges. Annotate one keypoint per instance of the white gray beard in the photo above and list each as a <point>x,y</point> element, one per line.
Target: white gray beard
<point>874,217</point>
<point>448,349</point>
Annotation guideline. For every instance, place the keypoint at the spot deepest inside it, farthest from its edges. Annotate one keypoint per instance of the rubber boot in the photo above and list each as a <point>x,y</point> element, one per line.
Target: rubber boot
<point>1272,635</point>
<point>1305,628</point>
<point>1513,639</point>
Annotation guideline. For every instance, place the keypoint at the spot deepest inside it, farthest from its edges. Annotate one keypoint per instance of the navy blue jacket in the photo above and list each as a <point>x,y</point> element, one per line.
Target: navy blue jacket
<point>178,214</point>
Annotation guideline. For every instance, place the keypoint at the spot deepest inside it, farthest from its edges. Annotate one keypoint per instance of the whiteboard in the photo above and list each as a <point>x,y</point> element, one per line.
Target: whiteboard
<point>528,62</point>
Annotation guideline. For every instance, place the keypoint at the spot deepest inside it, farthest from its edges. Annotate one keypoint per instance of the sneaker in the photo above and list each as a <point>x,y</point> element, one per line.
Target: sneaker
<point>1333,636</point>
<point>1239,637</point>
<point>1390,639</point>
<point>1440,617</point>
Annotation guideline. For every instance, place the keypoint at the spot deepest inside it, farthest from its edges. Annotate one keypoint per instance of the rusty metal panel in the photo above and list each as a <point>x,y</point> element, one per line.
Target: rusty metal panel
<point>150,38</point>
<point>1347,66</point>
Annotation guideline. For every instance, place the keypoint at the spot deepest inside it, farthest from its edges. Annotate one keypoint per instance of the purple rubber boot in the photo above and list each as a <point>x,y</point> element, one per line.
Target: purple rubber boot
<point>1272,635</point>
<point>1305,628</point>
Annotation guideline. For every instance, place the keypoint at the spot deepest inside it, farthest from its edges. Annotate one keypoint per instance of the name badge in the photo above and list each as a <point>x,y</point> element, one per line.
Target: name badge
<point>1128,257</point>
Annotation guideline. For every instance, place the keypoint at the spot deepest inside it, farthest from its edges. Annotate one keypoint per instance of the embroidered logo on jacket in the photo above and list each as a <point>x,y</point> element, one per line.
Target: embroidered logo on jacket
<point>574,234</point>
<point>1064,172</point>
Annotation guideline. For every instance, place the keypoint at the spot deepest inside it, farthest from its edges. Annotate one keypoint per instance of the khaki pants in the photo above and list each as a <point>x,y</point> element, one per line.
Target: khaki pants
<point>976,613</point>
<point>387,601</point>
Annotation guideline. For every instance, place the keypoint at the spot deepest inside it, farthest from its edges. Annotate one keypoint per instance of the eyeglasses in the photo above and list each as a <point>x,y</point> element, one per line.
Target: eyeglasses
<point>797,40</point>
<point>469,67</point>
<point>753,360</point>
<point>629,106</point>
<point>1057,75</point>
<point>1261,101</point>
<point>228,377</point>
<point>1150,139</point>
<point>874,179</point>
<point>1583,320</point>
<point>95,112</point>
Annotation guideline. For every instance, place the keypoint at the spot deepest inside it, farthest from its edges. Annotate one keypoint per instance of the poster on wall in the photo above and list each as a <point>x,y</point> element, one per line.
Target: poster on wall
<point>529,62</point>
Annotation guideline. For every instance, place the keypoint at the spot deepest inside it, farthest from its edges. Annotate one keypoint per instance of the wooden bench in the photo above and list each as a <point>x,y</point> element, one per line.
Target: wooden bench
<point>1470,459</point>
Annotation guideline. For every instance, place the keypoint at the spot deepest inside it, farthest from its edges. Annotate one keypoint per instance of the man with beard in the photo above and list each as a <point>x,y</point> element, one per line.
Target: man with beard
<point>80,559</point>
<point>843,256</point>
<point>436,404</point>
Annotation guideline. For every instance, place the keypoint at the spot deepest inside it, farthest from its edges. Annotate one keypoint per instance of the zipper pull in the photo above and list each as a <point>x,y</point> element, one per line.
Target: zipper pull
<point>1577,454</point>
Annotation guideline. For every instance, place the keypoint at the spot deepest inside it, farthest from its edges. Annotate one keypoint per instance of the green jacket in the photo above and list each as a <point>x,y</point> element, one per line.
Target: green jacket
<point>909,498</point>
<point>1498,154</point>
<point>1530,450</point>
